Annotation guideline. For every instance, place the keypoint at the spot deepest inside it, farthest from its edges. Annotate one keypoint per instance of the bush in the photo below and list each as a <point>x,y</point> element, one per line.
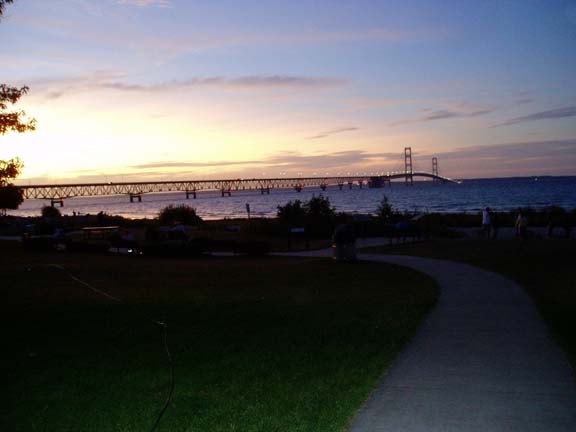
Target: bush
<point>385,210</point>
<point>292,213</point>
<point>319,209</point>
<point>11,197</point>
<point>50,212</point>
<point>316,215</point>
<point>179,214</point>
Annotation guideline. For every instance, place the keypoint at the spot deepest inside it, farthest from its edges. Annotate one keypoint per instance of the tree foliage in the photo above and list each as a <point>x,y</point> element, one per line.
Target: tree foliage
<point>316,215</point>
<point>3,3</point>
<point>179,214</point>
<point>291,213</point>
<point>315,210</point>
<point>9,170</point>
<point>10,197</point>
<point>319,209</point>
<point>50,212</point>
<point>13,120</point>
<point>385,210</point>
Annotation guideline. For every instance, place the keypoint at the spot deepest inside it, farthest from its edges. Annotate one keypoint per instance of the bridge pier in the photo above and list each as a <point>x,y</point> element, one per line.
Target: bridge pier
<point>137,196</point>
<point>323,186</point>
<point>360,183</point>
<point>350,185</point>
<point>191,192</point>
<point>265,190</point>
<point>57,201</point>
<point>340,185</point>
<point>226,192</point>
<point>298,188</point>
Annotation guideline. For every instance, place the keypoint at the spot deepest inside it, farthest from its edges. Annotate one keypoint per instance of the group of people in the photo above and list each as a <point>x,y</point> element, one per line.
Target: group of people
<point>490,224</point>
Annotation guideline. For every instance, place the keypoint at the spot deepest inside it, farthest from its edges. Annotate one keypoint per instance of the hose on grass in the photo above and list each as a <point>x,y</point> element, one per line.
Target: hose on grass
<point>168,400</point>
<point>162,324</point>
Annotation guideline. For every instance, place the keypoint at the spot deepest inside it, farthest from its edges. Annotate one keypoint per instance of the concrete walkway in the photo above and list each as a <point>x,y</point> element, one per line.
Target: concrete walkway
<point>481,361</point>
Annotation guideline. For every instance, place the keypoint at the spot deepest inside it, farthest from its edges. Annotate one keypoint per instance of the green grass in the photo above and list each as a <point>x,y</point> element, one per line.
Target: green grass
<point>271,344</point>
<point>544,267</point>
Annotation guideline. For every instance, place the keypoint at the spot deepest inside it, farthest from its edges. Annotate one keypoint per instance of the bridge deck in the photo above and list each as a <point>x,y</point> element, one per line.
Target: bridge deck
<point>57,191</point>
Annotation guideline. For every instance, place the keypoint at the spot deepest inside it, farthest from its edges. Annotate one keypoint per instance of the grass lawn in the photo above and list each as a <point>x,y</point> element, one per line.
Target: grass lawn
<point>269,344</point>
<point>544,267</point>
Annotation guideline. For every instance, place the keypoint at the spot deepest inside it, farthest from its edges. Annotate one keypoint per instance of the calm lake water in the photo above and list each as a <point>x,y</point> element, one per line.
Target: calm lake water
<point>469,196</point>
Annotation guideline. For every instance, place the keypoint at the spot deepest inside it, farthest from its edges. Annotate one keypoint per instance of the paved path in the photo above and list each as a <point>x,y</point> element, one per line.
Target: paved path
<point>481,361</point>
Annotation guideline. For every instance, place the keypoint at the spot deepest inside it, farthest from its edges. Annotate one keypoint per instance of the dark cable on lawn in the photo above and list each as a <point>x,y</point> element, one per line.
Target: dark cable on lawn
<point>171,390</point>
<point>162,324</point>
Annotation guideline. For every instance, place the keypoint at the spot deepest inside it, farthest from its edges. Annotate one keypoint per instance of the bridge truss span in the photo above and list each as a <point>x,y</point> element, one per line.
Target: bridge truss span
<point>225,186</point>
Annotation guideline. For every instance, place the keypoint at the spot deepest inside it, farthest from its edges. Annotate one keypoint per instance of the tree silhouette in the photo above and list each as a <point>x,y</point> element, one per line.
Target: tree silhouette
<point>10,195</point>
<point>15,120</point>
<point>11,121</point>
<point>2,4</point>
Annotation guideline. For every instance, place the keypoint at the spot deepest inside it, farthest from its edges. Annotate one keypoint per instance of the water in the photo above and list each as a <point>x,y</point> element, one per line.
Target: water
<point>469,196</point>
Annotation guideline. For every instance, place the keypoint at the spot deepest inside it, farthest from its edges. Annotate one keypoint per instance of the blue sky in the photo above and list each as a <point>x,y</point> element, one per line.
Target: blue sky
<point>167,89</point>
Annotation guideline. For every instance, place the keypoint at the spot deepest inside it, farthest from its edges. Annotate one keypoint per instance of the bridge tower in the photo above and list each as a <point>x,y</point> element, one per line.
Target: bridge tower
<point>435,169</point>
<point>408,171</point>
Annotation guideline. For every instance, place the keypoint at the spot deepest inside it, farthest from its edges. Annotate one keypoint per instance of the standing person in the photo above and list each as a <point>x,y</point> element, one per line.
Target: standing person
<point>521,225</point>
<point>486,222</point>
<point>549,225</point>
<point>494,220</point>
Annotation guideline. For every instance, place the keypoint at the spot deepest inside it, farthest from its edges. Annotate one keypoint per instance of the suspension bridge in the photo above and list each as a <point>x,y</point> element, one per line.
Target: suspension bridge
<point>135,190</point>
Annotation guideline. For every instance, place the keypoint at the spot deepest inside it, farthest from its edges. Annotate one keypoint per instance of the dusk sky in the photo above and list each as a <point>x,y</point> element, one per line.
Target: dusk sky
<point>173,89</point>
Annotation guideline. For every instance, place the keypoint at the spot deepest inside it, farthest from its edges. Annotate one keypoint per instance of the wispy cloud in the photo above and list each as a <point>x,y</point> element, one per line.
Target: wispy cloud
<point>455,111</point>
<point>146,3</point>
<point>549,157</point>
<point>336,160</point>
<point>245,82</point>
<point>291,160</point>
<point>174,46</point>
<point>515,151</point>
<point>333,132</point>
<point>121,36</point>
<point>55,88</point>
<point>181,164</point>
<point>557,113</point>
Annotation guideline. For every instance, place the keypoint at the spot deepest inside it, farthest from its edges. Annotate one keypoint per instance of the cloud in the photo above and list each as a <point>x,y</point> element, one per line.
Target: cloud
<point>55,88</point>
<point>333,132</point>
<point>456,111</point>
<point>516,151</point>
<point>569,111</point>
<point>285,161</point>
<point>179,164</point>
<point>122,37</point>
<point>342,159</point>
<point>548,157</point>
<point>245,82</point>
<point>166,47</point>
<point>551,157</point>
<point>146,3</point>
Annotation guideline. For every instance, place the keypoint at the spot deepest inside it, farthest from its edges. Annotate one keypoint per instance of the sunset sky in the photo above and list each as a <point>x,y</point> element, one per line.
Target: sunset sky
<point>188,89</point>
